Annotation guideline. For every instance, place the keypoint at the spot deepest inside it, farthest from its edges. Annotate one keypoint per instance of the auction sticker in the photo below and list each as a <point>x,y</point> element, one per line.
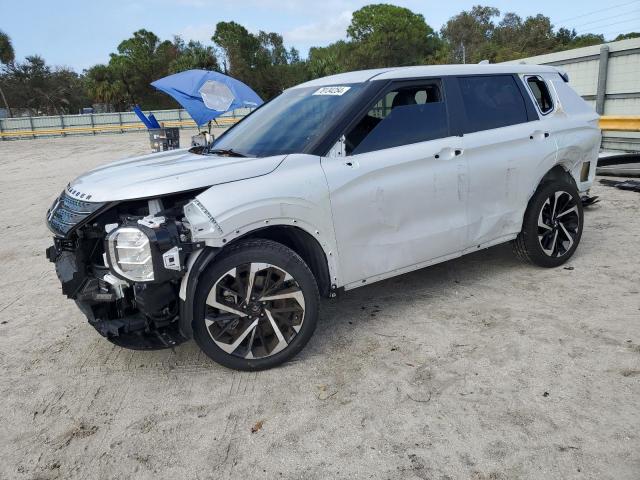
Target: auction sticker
<point>331,91</point>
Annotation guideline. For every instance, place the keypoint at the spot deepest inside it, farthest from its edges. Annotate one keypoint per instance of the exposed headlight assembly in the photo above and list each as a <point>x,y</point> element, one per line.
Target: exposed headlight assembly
<point>148,250</point>
<point>130,254</point>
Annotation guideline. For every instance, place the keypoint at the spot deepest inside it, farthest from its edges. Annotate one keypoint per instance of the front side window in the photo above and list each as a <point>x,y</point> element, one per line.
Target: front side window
<point>492,101</point>
<point>541,94</point>
<point>290,122</point>
<point>402,116</point>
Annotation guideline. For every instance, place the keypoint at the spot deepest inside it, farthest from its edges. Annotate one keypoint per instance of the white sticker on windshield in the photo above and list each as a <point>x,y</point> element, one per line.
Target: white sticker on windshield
<point>331,91</point>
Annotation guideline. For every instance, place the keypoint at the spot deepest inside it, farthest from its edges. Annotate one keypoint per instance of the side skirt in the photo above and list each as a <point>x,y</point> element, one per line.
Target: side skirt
<point>418,266</point>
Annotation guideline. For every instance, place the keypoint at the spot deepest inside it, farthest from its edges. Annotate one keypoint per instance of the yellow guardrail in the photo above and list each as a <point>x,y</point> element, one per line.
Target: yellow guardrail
<point>623,123</point>
<point>222,122</point>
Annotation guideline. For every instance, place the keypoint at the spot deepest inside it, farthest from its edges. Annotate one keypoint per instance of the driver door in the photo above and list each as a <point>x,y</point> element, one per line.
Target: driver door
<point>398,192</point>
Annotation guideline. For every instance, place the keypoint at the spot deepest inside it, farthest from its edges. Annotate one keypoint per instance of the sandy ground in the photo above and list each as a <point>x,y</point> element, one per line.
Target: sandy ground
<point>479,368</point>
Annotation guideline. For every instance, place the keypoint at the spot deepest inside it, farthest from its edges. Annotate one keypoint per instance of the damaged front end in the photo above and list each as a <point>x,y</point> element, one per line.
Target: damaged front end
<point>123,264</point>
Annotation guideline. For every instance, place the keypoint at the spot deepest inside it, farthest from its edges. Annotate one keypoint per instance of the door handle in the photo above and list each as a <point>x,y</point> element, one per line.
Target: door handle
<point>448,152</point>
<point>539,135</point>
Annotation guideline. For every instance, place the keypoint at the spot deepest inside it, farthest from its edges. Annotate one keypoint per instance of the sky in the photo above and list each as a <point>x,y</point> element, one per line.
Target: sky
<point>79,34</point>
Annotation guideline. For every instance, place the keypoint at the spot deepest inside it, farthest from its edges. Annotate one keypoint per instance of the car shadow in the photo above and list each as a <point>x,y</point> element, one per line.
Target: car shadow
<point>356,310</point>
<point>363,306</point>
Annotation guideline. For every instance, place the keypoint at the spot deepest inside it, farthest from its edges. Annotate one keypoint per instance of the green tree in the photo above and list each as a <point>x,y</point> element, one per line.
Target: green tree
<point>7,56</point>
<point>515,38</point>
<point>568,39</point>
<point>334,58</point>
<point>387,35</point>
<point>193,55</point>
<point>537,35</point>
<point>626,36</point>
<point>469,34</point>
<point>140,60</point>
<point>103,86</point>
<point>506,38</point>
<point>240,49</point>
<point>272,48</point>
<point>261,61</point>
<point>509,39</point>
<point>35,86</point>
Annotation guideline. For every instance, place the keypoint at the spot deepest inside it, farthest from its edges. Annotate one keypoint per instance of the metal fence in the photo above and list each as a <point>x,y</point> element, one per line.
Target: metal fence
<point>100,123</point>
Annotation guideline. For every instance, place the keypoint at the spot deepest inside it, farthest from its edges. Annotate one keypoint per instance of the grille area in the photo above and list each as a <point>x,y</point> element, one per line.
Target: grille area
<point>67,212</point>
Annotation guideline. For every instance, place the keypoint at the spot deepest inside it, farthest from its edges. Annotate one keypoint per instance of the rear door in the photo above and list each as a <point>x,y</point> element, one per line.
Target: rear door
<point>398,197</point>
<point>504,144</point>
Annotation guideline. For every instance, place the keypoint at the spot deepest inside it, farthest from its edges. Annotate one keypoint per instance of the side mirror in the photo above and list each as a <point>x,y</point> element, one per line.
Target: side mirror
<point>203,139</point>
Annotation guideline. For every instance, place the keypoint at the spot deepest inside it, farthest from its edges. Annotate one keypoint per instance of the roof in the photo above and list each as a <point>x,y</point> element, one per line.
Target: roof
<point>393,73</point>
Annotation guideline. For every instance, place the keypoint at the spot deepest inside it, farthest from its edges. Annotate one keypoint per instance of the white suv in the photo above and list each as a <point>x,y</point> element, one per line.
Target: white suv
<point>334,184</point>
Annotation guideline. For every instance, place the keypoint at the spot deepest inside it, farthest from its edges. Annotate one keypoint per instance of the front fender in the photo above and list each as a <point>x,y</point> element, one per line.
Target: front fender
<point>295,194</point>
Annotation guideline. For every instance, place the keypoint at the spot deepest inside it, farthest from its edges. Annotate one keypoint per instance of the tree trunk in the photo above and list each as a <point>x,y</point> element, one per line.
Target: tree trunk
<point>4,99</point>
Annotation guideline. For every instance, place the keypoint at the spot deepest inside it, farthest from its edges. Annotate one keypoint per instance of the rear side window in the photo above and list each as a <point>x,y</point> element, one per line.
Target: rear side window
<point>402,116</point>
<point>541,93</point>
<point>492,101</point>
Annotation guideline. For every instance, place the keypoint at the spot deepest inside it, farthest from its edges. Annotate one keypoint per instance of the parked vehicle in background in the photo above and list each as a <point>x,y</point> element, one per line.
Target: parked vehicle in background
<point>334,184</point>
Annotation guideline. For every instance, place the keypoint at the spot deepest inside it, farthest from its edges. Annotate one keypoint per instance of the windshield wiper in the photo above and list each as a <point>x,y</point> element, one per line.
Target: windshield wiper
<point>229,152</point>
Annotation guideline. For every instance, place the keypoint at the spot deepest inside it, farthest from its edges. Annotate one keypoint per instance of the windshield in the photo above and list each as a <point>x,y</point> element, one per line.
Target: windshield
<point>290,122</point>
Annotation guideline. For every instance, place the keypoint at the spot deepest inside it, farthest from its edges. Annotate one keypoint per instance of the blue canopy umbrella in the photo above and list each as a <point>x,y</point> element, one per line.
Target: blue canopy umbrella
<point>207,95</point>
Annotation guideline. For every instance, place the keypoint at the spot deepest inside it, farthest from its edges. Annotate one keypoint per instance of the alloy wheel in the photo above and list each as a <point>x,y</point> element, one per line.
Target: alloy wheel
<point>558,224</point>
<point>254,310</point>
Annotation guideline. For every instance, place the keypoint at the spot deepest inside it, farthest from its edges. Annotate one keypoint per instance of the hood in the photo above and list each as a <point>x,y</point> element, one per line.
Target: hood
<point>166,172</point>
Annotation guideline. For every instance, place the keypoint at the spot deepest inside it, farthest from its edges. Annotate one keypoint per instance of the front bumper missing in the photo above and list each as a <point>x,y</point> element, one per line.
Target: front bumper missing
<point>133,331</point>
<point>116,316</point>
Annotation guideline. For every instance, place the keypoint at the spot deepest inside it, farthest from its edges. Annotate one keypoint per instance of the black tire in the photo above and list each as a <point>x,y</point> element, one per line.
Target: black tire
<point>528,246</point>
<point>235,258</point>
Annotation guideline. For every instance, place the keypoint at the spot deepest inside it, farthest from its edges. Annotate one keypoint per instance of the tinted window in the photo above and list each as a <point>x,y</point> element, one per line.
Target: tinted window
<point>492,101</point>
<point>289,122</point>
<point>540,93</point>
<point>418,95</point>
<point>402,116</point>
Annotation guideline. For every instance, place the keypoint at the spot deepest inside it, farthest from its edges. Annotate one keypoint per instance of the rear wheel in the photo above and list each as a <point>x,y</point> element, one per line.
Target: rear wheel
<point>256,306</point>
<point>552,225</point>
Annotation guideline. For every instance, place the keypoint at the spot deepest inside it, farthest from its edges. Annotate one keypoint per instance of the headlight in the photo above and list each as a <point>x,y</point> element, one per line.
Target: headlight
<point>130,254</point>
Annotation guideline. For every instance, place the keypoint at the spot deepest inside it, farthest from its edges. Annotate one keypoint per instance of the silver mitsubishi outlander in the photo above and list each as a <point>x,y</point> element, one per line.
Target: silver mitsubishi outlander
<point>334,184</point>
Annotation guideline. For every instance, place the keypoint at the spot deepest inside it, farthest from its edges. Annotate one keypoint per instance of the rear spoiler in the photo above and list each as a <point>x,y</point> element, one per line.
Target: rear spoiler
<point>564,75</point>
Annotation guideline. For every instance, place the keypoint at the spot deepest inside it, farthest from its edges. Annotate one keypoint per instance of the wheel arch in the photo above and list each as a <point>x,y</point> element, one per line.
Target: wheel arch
<point>301,242</point>
<point>295,238</point>
<point>557,172</point>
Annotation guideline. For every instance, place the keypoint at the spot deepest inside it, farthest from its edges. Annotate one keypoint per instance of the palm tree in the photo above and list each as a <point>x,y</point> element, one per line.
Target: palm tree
<point>7,56</point>
<point>103,86</point>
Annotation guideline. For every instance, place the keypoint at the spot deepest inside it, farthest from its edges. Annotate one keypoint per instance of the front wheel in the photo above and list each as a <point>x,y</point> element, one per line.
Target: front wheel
<point>552,225</point>
<point>256,306</point>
